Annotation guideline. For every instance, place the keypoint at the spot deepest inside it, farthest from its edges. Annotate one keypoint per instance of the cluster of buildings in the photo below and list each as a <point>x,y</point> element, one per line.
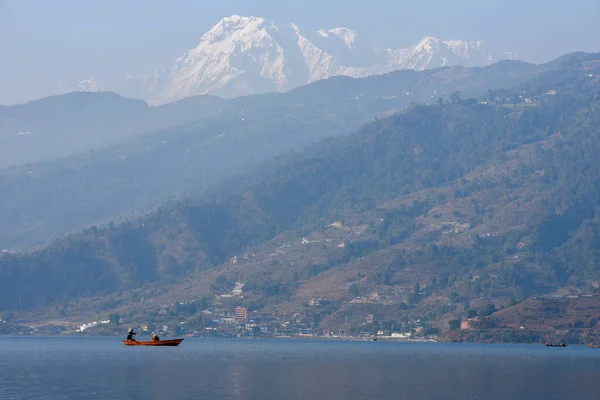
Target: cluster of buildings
<point>559,297</point>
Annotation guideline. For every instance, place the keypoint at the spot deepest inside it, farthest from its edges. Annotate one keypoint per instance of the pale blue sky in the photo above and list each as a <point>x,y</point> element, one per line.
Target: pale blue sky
<point>46,42</point>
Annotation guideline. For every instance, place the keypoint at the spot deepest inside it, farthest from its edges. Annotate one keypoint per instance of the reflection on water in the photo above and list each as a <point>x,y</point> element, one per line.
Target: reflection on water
<point>102,368</point>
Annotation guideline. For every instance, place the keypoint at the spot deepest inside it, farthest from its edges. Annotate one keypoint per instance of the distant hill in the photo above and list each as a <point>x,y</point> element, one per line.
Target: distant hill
<point>435,213</point>
<point>61,126</point>
<point>133,157</point>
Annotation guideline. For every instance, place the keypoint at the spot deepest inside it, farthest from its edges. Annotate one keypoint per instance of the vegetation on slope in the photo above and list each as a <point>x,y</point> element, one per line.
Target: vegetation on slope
<point>537,155</point>
<point>142,156</point>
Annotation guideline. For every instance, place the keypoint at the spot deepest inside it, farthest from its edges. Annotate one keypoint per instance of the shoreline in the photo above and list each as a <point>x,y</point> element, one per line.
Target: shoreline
<point>301,338</point>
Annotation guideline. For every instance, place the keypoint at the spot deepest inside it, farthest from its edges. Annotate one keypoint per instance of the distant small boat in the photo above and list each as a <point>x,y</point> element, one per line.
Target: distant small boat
<point>548,344</point>
<point>594,346</point>
<point>174,342</point>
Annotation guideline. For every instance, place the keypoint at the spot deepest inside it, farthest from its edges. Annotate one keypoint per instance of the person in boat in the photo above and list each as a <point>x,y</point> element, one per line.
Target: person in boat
<point>155,337</point>
<point>131,334</point>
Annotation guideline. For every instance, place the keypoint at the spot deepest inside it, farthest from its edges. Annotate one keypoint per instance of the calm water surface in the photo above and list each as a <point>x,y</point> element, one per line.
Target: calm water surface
<point>102,368</point>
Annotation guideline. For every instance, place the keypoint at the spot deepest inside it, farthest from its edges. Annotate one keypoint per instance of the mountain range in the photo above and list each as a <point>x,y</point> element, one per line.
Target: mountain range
<point>432,213</point>
<point>91,158</point>
<point>248,55</point>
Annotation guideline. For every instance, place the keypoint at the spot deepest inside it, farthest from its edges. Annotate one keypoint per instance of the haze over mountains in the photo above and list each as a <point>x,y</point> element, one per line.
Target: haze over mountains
<point>248,55</point>
<point>286,166</point>
<point>143,155</point>
<point>431,213</point>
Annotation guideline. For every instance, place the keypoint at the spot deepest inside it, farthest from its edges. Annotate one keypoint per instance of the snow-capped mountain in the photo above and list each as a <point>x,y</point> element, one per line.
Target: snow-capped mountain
<point>246,55</point>
<point>431,52</point>
<point>239,55</point>
<point>86,85</point>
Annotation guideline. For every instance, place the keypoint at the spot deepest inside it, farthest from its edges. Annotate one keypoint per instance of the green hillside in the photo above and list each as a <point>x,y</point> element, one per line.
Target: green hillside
<point>443,210</point>
<point>126,158</point>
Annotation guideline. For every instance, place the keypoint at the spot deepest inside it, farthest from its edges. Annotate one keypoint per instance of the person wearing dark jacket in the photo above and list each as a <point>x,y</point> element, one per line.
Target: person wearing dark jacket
<point>131,334</point>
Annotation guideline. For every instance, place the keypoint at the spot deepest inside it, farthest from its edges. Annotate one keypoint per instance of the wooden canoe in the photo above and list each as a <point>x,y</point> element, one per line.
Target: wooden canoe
<point>594,346</point>
<point>173,342</point>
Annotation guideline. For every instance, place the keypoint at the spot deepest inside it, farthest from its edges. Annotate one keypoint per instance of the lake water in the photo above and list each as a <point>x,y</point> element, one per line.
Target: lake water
<point>103,368</point>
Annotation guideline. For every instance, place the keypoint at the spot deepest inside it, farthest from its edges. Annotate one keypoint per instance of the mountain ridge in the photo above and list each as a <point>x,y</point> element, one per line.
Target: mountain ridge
<point>248,55</point>
<point>428,214</point>
<point>191,137</point>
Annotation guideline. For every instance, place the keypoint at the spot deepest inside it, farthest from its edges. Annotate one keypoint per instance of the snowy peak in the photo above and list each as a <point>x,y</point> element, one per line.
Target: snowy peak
<point>86,85</point>
<point>459,48</point>
<point>348,36</point>
<point>236,26</point>
<point>230,60</point>
<point>245,55</point>
<point>431,52</point>
<point>428,43</point>
<point>89,85</point>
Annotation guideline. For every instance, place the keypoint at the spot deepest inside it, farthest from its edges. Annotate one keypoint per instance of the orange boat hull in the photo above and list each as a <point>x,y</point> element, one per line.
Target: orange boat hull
<point>173,342</point>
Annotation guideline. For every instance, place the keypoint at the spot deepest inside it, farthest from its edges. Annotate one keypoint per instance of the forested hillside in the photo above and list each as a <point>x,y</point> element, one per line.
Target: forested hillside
<point>440,209</point>
<point>132,157</point>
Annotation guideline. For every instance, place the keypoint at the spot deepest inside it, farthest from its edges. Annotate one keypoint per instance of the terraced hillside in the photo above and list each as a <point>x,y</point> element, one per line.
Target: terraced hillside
<point>436,213</point>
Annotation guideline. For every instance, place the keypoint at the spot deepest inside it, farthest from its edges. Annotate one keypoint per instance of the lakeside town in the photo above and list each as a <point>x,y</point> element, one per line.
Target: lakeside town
<point>220,323</point>
<point>223,316</point>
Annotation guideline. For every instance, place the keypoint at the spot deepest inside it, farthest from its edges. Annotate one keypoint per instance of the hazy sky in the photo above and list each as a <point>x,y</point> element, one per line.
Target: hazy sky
<point>46,42</point>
